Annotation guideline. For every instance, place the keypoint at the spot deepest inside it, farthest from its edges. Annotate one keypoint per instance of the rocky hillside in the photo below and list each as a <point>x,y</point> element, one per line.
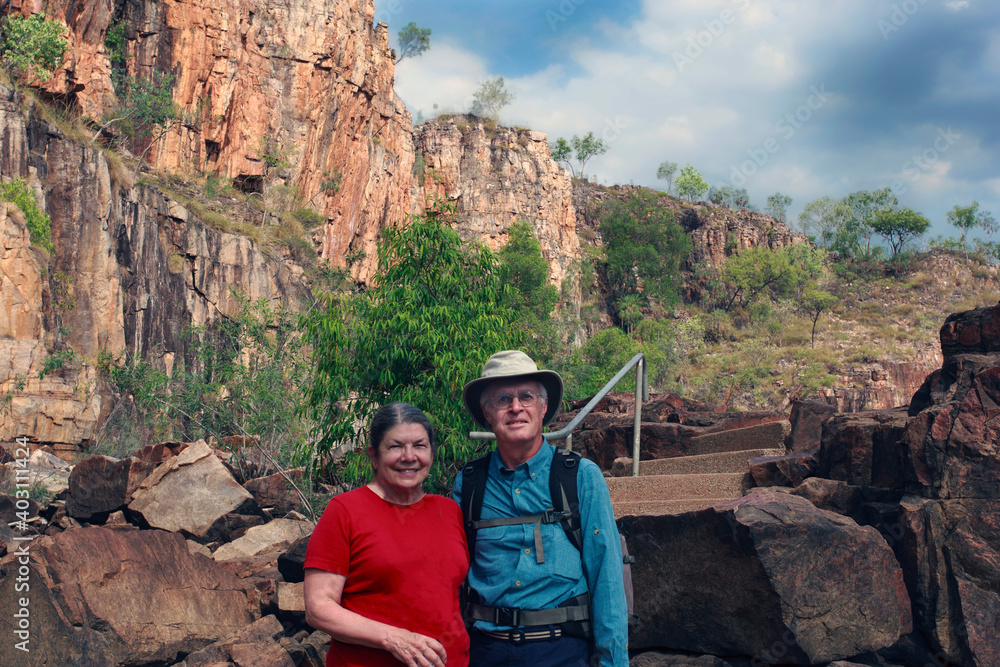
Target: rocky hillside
<point>872,542</point>
<point>136,264</point>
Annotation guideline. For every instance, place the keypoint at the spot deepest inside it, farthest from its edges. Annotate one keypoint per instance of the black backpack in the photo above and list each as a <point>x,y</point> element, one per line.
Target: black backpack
<point>565,511</point>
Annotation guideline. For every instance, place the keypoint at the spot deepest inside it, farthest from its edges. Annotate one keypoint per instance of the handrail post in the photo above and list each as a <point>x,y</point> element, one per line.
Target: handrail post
<point>639,377</point>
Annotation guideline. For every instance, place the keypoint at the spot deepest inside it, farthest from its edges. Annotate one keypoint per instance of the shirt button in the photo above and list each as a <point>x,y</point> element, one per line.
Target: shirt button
<point>532,474</point>
<point>517,491</point>
<point>527,551</point>
<point>517,583</point>
<point>597,532</point>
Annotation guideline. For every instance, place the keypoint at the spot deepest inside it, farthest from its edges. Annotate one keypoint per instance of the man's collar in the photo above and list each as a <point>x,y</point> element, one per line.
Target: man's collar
<point>536,463</point>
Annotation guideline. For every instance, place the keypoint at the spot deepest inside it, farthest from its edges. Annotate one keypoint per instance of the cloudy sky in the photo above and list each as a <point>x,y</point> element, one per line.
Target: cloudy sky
<point>805,97</point>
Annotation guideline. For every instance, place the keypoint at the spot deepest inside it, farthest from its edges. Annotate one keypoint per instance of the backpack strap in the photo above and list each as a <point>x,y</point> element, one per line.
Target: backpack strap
<point>562,487</point>
<point>548,516</point>
<point>473,490</point>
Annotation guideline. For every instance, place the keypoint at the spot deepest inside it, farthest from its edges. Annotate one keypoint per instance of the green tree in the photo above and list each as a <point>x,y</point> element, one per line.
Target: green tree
<point>413,41</point>
<point>816,301</point>
<point>968,218</point>
<point>777,206</point>
<point>644,247</point>
<point>690,184</point>
<point>666,173</point>
<point>899,226</point>
<point>730,197</point>
<point>755,272</point>
<point>535,298</point>
<point>436,311</point>
<point>821,219</point>
<point>31,48</point>
<point>490,97</point>
<point>242,376</point>
<point>39,224</point>
<point>528,271</point>
<point>860,209</point>
<point>585,149</point>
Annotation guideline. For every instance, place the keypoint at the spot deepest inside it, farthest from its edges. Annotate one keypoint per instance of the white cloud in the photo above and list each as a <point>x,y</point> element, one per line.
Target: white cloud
<point>445,75</point>
<point>741,80</point>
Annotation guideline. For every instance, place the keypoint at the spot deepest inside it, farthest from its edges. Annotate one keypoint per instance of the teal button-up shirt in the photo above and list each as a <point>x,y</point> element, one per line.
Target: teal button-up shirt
<point>505,571</point>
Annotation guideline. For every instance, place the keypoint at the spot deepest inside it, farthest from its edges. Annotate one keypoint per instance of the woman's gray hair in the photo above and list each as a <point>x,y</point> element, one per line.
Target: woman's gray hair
<point>390,416</point>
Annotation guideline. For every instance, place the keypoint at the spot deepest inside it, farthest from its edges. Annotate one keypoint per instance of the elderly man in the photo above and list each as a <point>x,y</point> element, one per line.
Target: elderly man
<point>535,597</point>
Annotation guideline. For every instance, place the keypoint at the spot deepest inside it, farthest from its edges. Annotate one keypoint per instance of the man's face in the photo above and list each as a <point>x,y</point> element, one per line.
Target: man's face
<point>516,423</point>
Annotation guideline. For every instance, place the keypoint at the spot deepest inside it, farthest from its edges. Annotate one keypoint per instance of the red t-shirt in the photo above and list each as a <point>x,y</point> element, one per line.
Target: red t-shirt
<point>404,565</point>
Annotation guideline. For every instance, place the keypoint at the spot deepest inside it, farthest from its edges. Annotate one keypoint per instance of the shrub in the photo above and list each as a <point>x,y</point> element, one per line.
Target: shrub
<point>31,48</point>
<point>39,225</point>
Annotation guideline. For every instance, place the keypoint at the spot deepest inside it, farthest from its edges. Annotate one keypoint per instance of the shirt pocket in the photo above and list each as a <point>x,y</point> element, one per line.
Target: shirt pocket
<point>497,549</point>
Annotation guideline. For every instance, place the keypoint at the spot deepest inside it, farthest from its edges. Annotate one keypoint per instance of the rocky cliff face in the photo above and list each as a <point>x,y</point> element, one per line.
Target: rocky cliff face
<point>496,176</point>
<point>309,81</point>
<point>131,270</point>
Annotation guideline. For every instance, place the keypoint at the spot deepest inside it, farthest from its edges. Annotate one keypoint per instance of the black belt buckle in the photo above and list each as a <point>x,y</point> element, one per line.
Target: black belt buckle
<point>506,616</point>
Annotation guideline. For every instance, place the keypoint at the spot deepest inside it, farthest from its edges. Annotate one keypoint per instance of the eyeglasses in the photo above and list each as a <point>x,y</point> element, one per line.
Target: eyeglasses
<point>503,401</point>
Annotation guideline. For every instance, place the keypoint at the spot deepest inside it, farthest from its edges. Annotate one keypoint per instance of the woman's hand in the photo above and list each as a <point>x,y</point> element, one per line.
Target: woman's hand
<point>414,649</point>
<point>323,591</point>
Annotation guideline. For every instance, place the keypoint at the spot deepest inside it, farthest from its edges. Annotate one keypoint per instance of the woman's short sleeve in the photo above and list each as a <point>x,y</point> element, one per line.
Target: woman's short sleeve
<point>330,544</point>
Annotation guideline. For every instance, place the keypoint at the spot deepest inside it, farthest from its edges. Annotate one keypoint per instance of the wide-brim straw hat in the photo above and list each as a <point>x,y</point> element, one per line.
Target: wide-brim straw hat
<point>512,365</point>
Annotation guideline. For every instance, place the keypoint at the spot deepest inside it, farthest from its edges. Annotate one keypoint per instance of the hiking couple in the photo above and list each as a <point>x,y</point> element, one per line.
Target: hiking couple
<point>386,562</point>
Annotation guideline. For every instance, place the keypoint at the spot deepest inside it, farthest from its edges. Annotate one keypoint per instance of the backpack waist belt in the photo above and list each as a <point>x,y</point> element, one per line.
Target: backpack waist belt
<point>577,610</point>
<point>550,515</point>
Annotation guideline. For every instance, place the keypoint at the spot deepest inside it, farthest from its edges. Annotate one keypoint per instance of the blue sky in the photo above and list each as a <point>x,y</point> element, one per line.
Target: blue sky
<point>802,97</point>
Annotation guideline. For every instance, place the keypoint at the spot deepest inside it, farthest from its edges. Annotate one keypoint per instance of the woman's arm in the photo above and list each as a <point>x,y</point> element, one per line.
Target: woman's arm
<point>323,612</point>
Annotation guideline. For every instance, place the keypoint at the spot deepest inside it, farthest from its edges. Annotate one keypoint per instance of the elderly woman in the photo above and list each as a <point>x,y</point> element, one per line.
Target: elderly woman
<point>385,563</point>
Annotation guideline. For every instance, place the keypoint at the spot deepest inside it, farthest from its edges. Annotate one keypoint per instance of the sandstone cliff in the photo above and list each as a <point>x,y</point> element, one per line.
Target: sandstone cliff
<point>497,176</point>
<point>309,79</point>
<point>130,272</point>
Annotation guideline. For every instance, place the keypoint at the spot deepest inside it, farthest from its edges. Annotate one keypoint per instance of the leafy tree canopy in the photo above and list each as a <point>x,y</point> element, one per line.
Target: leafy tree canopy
<point>413,41</point>
<point>730,197</point>
<point>777,206</point>
<point>585,148</point>
<point>822,219</point>
<point>690,184</point>
<point>968,218</point>
<point>666,173</point>
<point>528,270</point>
<point>31,48</point>
<point>490,97</point>
<point>436,312</point>
<point>899,226</point>
<point>860,209</point>
<point>644,247</point>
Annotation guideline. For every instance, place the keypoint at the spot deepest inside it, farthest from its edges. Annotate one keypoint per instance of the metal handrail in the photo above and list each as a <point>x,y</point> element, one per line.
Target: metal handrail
<point>641,394</point>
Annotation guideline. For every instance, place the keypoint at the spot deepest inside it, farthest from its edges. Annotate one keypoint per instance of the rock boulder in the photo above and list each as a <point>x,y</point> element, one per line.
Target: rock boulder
<point>801,585</point>
<point>190,493</point>
<point>108,597</point>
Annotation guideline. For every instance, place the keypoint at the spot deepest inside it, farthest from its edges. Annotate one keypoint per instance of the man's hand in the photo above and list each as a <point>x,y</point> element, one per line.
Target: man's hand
<point>413,649</point>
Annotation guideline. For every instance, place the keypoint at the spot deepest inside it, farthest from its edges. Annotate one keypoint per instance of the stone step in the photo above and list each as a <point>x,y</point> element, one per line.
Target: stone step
<point>678,487</point>
<point>762,436</point>
<point>637,507</point>
<point>706,463</point>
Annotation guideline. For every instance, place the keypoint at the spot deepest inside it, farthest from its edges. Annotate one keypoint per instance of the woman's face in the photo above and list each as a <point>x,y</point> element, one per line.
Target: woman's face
<point>404,458</point>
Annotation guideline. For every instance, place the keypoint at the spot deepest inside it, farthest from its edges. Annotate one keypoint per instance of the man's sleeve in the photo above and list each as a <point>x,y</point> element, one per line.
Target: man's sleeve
<point>456,489</point>
<point>602,566</point>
